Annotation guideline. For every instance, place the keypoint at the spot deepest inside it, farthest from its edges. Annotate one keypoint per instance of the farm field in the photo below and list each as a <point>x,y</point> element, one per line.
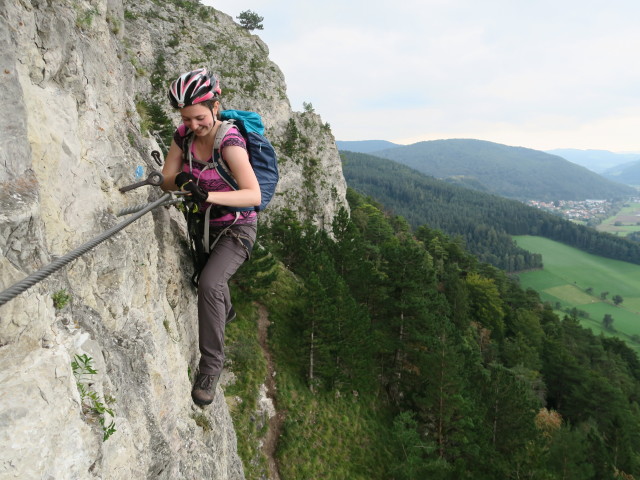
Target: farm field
<point>575,279</point>
<point>627,219</point>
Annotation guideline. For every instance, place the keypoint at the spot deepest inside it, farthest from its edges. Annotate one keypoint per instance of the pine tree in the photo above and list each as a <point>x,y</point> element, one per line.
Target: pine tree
<point>250,20</point>
<point>409,275</point>
<point>510,408</point>
<point>411,450</point>
<point>256,275</point>
<point>443,405</point>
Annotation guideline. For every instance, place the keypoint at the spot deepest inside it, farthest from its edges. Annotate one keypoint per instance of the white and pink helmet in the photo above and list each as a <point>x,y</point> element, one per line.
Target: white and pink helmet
<point>193,87</point>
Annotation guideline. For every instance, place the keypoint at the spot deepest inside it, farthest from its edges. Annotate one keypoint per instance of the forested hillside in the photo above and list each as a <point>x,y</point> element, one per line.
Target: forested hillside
<point>512,172</point>
<point>400,356</point>
<point>628,173</point>
<point>485,222</point>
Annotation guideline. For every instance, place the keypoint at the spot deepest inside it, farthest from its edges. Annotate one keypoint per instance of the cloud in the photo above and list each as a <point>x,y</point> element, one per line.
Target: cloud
<point>559,74</point>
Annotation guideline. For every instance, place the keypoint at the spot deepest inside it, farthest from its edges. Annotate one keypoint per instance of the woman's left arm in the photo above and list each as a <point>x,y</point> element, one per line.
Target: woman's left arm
<point>248,193</point>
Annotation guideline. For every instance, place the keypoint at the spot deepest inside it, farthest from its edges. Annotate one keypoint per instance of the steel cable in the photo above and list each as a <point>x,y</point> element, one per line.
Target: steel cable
<point>60,262</point>
<point>137,208</point>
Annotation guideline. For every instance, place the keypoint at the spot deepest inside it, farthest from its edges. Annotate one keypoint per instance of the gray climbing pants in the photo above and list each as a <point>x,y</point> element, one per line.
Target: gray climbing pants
<point>214,300</point>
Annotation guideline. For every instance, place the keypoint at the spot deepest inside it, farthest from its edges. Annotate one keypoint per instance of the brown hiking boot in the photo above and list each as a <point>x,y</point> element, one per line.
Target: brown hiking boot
<point>204,388</point>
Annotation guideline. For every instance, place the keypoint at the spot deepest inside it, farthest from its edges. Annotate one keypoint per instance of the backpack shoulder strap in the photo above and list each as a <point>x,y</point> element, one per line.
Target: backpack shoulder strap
<point>222,132</point>
<point>218,162</point>
<point>187,140</point>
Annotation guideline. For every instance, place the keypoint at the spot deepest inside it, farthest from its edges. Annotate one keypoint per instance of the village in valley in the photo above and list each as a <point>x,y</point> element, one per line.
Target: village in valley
<point>589,211</point>
<point>582,210</point>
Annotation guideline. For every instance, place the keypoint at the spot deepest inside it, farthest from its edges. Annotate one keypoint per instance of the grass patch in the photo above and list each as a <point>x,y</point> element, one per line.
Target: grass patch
<point>578,279</point>
<point>250,369</point>
<point>84,18</point>
<point>633,304</point>
<point>584,270</point>
<point>625,322</point>
<point>202,421</point>
<point>331,438</point>
<point>325,435</point>
<point>570,294</point>
<point>626,221</point>
<point>542,280</point>
<point>60,299</point>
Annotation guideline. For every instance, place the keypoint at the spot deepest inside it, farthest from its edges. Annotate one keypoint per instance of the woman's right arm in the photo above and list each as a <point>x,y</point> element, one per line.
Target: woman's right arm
<point>172,166</point>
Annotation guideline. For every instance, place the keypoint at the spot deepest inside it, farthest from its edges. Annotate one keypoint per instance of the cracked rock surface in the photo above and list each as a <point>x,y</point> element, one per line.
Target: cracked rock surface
<point>72,77</point>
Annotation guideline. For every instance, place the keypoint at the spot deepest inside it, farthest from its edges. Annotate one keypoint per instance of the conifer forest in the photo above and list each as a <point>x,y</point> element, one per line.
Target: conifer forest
<point>448,369</point>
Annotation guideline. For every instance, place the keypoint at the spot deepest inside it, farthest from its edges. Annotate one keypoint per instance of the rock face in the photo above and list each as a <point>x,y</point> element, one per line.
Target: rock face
<point>75,76</point>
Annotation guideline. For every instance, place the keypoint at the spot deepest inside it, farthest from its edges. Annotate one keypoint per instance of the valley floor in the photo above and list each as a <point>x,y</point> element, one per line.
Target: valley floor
<point>572,279</point>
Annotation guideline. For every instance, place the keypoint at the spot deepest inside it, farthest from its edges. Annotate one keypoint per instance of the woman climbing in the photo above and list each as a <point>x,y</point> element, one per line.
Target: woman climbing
<point>231,231</point>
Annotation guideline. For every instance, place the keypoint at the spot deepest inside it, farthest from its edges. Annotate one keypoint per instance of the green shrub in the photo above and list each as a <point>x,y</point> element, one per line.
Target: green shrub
<point>60,299</point>
<point>202,421</point>
<point>92,405</point>
<point>84,19</point>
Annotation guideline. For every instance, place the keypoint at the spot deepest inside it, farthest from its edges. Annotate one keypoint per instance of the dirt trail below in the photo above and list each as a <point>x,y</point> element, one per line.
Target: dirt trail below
<point>275,423</point>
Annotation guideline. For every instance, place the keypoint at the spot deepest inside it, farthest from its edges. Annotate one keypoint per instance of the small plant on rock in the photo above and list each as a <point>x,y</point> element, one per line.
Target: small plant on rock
<point>84,19</point>
<point>92,405</point>
<point>60,299</point>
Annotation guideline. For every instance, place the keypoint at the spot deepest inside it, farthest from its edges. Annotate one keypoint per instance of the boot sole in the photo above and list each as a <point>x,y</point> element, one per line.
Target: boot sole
<point>201,402</point>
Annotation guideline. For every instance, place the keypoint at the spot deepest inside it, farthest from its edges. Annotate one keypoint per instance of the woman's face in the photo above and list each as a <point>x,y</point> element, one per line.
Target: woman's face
<point>198,118</point>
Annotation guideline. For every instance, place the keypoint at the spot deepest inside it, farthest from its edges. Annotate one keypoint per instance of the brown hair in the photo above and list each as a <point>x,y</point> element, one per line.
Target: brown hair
<point>210,103</point>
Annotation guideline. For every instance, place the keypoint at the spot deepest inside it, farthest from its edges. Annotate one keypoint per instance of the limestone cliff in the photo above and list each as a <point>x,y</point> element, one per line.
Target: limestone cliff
<point>76,80</point>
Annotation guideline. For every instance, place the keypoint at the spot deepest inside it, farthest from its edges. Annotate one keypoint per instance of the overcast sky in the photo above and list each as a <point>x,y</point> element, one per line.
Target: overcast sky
<point>541,74</point>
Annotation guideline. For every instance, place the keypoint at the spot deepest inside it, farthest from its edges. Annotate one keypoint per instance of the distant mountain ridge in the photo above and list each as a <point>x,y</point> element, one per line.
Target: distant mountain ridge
<point>513,172</point>
<point>627,173</point>
<point>484,221</point>
<point>365,146</point>
<point>598,161</point>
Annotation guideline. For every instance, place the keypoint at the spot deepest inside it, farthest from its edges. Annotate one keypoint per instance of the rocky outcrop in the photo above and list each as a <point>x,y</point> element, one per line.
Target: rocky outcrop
<point>164,41</point>
<point>75,76</point>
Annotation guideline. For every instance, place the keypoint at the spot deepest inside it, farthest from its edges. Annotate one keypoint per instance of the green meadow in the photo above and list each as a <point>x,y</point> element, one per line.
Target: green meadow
<point>572,278</point>
<point>624,222</point>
